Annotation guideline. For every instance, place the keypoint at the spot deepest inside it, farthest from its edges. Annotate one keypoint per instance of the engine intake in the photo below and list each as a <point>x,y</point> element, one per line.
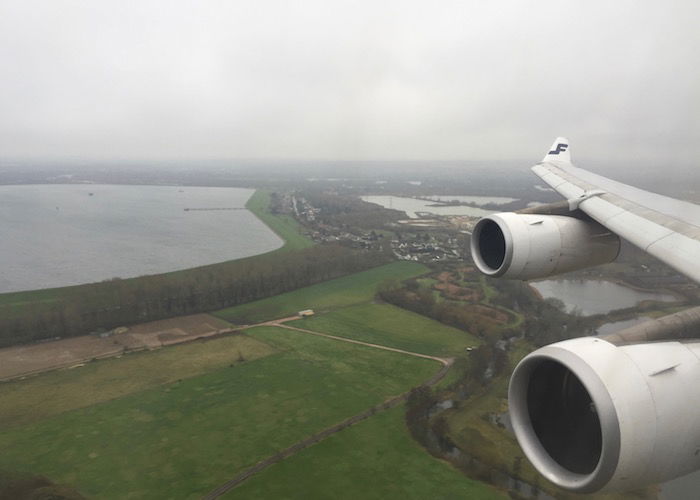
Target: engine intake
<point>590,415</point>
<point>527,246</point>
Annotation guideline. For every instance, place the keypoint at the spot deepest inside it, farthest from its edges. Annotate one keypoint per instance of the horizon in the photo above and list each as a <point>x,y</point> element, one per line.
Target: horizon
<point>400,81</point>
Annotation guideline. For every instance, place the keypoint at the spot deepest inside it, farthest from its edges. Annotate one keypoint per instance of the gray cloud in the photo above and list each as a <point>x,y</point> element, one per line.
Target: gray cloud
<point>349,80</point>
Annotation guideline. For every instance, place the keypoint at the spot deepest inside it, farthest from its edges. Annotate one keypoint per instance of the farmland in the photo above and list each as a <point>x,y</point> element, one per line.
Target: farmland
<point>391,326</point>
<point>376,459</point>
<point>182,438</point>
<point>181,420</point>
<point>357,288</point>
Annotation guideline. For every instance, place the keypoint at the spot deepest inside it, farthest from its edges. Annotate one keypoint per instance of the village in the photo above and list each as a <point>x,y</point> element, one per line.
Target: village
<point>427,238</point>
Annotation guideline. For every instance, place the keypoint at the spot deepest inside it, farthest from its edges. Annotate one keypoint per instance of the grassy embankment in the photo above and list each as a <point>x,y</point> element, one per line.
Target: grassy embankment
<point>285,226</point>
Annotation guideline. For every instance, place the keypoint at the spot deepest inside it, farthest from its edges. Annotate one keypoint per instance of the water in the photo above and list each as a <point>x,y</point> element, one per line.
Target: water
<point>411,206</point>
<point>59,235</point>
<point>478,200</point>
<point>616,326</point>
<point>595,296</point>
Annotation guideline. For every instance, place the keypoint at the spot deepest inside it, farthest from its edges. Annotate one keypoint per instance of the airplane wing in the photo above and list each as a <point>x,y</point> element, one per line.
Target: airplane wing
<point>617,412</point>
<point>666,228</point>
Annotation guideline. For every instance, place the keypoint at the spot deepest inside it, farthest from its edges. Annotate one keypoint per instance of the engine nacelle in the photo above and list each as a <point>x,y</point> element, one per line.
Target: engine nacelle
<point>590,415</point>
<point>527,246</point>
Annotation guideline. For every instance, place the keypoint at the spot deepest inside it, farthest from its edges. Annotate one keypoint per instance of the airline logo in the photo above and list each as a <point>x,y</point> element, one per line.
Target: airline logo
<point>559,149</point>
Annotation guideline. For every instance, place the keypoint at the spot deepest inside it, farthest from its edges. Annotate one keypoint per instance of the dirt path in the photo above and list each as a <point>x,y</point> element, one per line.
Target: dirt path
<point>24,360</point>
<point>444,361</point>
<point>329,431</point>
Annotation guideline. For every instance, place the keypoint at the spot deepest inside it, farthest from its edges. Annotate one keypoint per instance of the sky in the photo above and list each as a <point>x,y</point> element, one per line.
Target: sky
<point>355,80</point>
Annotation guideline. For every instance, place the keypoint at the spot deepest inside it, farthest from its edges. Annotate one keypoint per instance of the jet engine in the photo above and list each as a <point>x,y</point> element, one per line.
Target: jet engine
<point>526,246</point>
<point>592,415</point>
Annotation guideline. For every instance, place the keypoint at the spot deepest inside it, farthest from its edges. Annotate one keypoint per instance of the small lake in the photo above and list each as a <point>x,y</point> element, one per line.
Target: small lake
<point>59,235</point>
<point>616,326</point>
<point>595,296</point>
<point>411,206</point>
<point>478,200</point>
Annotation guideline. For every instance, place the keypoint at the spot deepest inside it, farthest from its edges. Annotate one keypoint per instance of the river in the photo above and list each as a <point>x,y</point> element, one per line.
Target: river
<point>59,235</point>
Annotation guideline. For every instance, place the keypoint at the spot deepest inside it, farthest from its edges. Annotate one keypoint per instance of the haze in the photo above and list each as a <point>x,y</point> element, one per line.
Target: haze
<point>348,80</point>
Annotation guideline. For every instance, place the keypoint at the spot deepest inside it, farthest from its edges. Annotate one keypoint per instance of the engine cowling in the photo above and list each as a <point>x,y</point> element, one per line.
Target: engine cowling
<point>527,246</point>
<point>590,415</point>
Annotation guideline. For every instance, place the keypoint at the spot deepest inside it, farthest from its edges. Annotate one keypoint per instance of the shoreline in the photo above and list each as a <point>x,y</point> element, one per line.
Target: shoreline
<point>679,298</point>
<point>248,205</point>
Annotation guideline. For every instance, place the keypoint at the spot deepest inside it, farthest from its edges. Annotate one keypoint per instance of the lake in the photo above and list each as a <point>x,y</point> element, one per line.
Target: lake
<point>411,206</point>
<point>595,296</point>
<point>59,235</point>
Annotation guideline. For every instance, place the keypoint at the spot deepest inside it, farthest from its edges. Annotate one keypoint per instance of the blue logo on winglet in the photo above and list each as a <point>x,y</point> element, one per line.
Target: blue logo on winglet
<point>559,149</point>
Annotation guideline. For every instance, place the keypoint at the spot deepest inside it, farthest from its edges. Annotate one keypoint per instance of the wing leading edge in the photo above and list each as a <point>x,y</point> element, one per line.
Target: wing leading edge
<point>666,228</point>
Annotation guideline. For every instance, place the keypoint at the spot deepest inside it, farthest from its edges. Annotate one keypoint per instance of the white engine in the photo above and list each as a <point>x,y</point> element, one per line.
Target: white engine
<point>590,415</point>
<point>527,246</point>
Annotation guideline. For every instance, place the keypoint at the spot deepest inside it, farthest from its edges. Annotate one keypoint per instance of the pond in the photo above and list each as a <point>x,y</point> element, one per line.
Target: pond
<point>477,200</point>
<point>596,296</point>
<point>412,206</point>
<point>616,326</point>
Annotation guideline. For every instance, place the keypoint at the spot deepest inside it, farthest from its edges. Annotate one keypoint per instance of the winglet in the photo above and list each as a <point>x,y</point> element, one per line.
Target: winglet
<point>559,151</point>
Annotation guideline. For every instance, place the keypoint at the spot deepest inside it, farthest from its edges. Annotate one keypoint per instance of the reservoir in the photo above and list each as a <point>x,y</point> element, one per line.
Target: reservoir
<point>59,235</point>
<point>595,296</point>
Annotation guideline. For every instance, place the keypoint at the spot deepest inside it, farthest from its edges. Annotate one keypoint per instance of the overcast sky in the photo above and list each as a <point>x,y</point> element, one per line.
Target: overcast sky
<point>349,80</point>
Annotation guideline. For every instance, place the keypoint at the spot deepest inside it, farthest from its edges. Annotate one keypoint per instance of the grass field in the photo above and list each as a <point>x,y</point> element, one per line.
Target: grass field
<point>348,290</point>
<point>285,226</point>
<point>376,459</point>
<point>42,396</point>
<point>183,438</point>
<point>391,326</point>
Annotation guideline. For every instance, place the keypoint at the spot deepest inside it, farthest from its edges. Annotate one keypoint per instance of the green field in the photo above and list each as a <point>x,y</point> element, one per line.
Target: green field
<point>55,392</point>
<point>375,459</point>
<point>285,226</point>
<point>340,292</point>
<point>391,326</point>
<point>180,421</point>
<point>184,438</point>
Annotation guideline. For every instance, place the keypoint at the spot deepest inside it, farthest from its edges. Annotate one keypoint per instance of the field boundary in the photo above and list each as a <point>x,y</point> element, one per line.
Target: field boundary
<point>367,344</point>
<point>329,431</point>
<point>15,361</point>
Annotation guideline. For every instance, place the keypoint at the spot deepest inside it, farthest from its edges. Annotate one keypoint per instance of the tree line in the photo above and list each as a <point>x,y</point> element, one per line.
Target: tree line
<point>85,309</point>
<point>410,295</point>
